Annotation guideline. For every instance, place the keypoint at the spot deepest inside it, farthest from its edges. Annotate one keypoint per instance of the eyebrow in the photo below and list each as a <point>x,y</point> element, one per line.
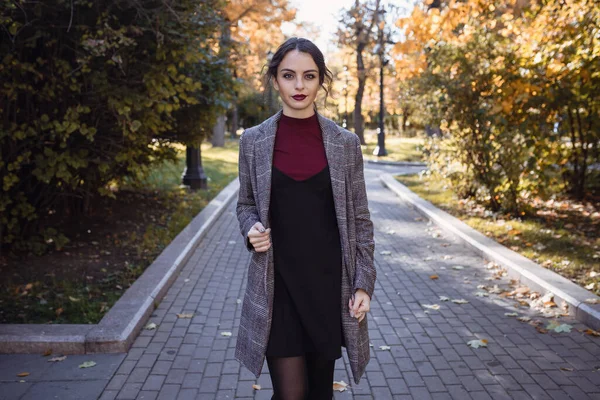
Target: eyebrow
<point>291,70</point>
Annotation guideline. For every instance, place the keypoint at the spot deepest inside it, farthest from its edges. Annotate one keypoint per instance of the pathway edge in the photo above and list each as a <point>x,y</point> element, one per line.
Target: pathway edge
<point>120,325</point>
<point>519,267</point>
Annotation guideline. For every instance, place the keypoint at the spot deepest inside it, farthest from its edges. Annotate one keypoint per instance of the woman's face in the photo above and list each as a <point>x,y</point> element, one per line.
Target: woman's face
<point>297,82</point>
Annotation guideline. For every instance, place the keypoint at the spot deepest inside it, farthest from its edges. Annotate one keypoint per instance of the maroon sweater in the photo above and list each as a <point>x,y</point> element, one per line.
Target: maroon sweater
<point>299,152</point>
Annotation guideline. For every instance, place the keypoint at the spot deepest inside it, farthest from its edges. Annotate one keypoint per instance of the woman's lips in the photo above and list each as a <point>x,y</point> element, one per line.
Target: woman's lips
<point>299,97</point>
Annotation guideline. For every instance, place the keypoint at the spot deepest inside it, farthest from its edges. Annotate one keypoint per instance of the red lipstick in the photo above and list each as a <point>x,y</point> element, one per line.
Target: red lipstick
<point>299,97</point>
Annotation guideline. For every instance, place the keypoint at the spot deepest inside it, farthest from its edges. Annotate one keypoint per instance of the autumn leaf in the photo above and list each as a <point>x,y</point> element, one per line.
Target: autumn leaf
<point>524,319</point>
<point>458,267</point>
<point>226,334</point>
<point>556,327</point>
<point>47,352</point>
<point>477,343</point>
<point>383,347</point>
<point>592,301</point>
<point>385,252</point>
<point>339,386</point>
<point>432,306</point>
<point>444,298</point>
<point>433,277</point>
<point>566,369</point>
<point>150,326</point>
<point>256,387</point>
<point>592,332</point>
<point>185,315</point>
<point>22,374</point>
<point>87,364</point>
<point>57,359</point>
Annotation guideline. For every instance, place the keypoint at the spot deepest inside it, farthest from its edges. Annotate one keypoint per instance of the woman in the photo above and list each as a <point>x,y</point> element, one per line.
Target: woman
<point>304,215</point>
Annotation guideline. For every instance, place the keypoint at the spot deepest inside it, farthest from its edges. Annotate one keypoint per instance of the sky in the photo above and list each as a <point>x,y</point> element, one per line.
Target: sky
<point>324,14</point>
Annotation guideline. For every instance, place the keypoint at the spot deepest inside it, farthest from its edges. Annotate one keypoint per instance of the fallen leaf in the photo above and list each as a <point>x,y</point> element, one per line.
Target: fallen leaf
<point>432,306</point>
<point>185,315</point>
<point>434,277</point>
<point>151,326</point>
<point>556,327</point>
<point>566,369</point>
<point>444,298</point>
<point>592,301</point>
<point>482,294</point>
<point>339,386</point>
<point>226,334</point>
<point>384,347</point>
<point>524,319</point>
<point>590,286</point>
<point>458,267</point>
<point>540,329</point>
<point>511,314</point>
<point>87,364</point>
<point>592,332</point>
<point>22,374</point>
<point>477,343</point>
<point>256,387</point>
<point>57,359</point>
<point>459,301</point>
<point>47,352</point>
<point>385,253</point>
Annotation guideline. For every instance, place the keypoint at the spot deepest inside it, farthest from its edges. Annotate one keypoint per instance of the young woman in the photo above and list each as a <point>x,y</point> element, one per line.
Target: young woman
<point>304,215</point>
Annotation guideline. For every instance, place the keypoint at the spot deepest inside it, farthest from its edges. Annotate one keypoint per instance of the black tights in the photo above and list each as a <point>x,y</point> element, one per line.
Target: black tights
<point>301,377</point>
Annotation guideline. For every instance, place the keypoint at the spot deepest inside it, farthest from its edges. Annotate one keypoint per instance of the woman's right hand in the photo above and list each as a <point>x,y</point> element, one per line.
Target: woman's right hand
<point>259,237</point>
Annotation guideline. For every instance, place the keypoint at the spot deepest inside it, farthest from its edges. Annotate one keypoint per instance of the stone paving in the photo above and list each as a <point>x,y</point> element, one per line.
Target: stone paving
<point>428,356</point>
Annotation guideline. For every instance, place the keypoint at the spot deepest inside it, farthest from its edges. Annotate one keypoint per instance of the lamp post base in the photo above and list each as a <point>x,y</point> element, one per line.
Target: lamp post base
<point>194,175</point>
<point>380,151</point>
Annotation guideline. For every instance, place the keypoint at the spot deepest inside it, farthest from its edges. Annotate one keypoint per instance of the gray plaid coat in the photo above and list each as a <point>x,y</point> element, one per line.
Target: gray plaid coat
<point>344,157</point>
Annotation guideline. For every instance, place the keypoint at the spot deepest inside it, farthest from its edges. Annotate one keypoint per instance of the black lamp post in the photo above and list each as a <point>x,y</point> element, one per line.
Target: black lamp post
<point>380,148</point>
<point>270,88</point>
<point>193,175</point>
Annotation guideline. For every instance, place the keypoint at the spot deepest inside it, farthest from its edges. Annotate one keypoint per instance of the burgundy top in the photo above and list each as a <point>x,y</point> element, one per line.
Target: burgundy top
<point>299,152</point>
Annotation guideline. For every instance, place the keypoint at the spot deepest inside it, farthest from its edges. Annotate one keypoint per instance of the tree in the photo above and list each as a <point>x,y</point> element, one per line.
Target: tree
<point>356,30</point>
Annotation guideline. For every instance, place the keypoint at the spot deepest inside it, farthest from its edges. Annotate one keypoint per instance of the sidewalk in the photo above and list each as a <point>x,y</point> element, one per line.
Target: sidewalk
<point>428,355</point>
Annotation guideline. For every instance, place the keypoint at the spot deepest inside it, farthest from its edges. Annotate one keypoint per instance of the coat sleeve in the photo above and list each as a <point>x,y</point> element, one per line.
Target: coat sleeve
<point>246,210</point>
<point>365,274</point>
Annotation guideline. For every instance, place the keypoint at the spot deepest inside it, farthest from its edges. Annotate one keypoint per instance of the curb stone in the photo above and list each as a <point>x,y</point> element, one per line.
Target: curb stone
<point>517,266</point>
<point>397,163</point>
<point>120,325</point>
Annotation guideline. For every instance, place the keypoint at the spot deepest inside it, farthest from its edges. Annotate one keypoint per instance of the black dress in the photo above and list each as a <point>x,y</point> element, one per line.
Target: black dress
<point>308,267</point>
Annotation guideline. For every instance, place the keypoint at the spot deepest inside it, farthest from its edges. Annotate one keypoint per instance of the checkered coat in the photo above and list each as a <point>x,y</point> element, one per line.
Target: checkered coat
<point>344,157</point>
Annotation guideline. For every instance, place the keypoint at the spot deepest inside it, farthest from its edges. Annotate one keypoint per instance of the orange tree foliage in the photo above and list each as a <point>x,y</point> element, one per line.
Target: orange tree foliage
<point>497,77</point>
<point>93,91</point>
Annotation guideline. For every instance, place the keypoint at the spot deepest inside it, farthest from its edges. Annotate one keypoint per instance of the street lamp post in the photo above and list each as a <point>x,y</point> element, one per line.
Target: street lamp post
<point>380,49</point>
<point>193,175</point>
<point>270,88</point>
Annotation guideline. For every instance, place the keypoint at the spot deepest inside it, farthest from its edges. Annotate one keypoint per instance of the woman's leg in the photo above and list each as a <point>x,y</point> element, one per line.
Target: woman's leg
<point>288,375</point>
<point>320,377</point>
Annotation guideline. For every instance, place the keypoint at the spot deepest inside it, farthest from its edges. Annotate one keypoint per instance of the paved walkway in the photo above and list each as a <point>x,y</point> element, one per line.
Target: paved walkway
<point>428,356</point>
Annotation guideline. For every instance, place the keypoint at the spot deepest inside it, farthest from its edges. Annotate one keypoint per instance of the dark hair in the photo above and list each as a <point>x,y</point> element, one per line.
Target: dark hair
<point>305,46</point>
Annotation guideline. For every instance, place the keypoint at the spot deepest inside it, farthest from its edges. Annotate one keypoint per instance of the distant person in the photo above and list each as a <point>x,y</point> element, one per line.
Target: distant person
<point>302,189</point>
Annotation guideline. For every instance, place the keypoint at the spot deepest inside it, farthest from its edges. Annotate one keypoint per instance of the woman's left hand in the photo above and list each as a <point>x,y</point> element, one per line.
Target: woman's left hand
<point>361,305</point>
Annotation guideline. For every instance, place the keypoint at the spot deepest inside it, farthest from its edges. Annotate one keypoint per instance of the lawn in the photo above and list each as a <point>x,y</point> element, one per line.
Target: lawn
<point>563,235</point>
<point>398,148</point>
<point>110,248</point>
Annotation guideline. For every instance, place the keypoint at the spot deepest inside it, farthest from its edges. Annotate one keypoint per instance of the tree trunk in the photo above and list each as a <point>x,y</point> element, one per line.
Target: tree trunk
<point>234,120</point>
<point>359,127</point>
<point>218,136</point>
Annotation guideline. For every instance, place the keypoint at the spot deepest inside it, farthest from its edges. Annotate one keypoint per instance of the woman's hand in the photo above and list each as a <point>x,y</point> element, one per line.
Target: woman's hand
<point>360,306</point>
<point>259,237</point>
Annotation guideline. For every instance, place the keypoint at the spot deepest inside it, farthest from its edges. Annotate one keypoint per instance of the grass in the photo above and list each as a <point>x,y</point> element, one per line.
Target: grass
<point>398,148</point>
<point>108,253</point>
<point>562,238</point>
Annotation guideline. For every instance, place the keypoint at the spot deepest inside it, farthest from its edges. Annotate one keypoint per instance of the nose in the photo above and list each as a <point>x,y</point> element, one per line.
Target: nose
<point>299,83</point>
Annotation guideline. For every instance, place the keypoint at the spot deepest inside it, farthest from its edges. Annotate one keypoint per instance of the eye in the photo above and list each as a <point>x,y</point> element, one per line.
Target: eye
<point>310,76</point>
<point>287,75</point>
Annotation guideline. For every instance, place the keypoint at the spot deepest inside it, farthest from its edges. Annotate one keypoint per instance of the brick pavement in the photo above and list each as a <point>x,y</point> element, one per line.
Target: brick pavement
<point>428,356</point>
